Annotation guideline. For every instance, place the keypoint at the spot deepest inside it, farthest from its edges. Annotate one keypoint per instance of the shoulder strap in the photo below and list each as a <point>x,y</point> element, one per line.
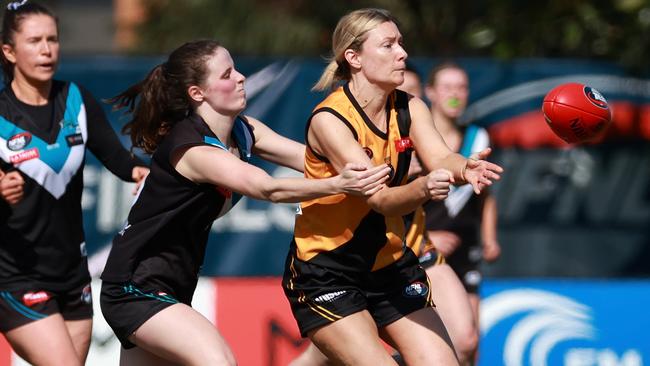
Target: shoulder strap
<point>403,113</point>
<point>401,105</point>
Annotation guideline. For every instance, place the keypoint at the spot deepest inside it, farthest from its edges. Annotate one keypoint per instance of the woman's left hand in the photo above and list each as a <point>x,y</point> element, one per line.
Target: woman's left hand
<point>138,174</point>
<point>479,172</point>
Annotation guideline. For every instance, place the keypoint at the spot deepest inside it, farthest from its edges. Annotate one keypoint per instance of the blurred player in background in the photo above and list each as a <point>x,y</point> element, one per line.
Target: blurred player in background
<point>449,295</point>
<point>349,278</point>
<point>186,113</point>
<point>46,126</point>
<point>463,227</point>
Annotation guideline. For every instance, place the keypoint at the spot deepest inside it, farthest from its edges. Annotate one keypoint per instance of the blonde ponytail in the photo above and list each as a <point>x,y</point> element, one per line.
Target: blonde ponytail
<point>327,78</point>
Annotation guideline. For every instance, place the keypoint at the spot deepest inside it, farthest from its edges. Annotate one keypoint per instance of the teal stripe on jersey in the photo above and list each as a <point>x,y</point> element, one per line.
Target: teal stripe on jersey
<point>468,140</point>
<point>54,155</point>
<point>214,141</point>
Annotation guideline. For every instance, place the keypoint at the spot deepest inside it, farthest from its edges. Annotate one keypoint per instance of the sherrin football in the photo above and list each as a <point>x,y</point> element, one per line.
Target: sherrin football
<point>576,112</point>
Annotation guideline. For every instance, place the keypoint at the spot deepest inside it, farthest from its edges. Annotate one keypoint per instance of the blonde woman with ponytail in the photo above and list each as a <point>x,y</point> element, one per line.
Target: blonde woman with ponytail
<point>350,279</point>
<point>187,114</point>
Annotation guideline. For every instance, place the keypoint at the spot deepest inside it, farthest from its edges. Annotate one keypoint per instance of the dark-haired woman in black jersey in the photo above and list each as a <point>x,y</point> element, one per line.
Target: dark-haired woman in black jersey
<point>46,125</point>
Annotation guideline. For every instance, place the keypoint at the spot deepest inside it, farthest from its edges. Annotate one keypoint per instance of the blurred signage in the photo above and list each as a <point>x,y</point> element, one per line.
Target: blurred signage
<point>570,323</point>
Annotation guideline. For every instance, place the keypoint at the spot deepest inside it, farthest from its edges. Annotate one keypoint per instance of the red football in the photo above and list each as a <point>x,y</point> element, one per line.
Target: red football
<point>576,112</point>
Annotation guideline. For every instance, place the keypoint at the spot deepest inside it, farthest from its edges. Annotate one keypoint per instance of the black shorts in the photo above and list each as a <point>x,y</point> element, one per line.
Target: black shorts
<point>465,261</point>
<point>319,296</point>
<point>21,307</point>
<point>431,258</point>
<point>126,307</point>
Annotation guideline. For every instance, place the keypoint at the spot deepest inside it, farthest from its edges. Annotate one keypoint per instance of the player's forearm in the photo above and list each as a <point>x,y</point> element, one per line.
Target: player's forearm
<point>455,163</point>
<point>401,200</point>
<point>298,189</point>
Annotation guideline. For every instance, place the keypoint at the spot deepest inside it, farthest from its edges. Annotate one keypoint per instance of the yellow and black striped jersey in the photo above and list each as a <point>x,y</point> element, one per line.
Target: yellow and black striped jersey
<point>341,231</point>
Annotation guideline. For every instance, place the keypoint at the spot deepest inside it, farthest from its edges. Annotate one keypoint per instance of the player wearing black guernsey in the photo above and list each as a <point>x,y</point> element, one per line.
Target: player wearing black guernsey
<point>463,227</point>
<point>45,128</point>
<point>187,113</point>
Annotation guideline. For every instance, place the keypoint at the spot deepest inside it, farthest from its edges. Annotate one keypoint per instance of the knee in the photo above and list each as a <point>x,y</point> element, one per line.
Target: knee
<point>466,344</point>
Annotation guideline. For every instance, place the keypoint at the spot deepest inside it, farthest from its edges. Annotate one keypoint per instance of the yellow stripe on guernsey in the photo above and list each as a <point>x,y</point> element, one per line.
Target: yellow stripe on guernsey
<point>327,224</point>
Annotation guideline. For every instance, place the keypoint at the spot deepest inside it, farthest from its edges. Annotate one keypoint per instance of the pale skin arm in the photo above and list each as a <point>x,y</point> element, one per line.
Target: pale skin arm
<point>491,247</point>
<point>331,138</point>
<point>205,164</point>
<point>435,154</point>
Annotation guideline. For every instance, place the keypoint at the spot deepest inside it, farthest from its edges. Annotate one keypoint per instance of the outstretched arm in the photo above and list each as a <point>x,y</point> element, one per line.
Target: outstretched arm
<point>206,164</point>
<point>435,154</point>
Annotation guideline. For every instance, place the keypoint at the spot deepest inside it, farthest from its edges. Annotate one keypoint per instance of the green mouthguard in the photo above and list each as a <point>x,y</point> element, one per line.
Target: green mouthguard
<point>453,102</point>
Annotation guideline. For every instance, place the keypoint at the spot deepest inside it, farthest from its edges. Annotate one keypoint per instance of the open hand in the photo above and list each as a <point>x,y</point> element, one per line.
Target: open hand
<point>11,187</point>
<point>357,179</point>
<point>479,172</point>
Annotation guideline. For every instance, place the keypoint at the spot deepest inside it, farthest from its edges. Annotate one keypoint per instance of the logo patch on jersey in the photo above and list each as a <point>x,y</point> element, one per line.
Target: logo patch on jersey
<point>19,141</point>
<point>224,191</point>
<point>33,298</point>
<point>75,139</point>
<point>403,144</point>
<point>24,155</point>
<point>87,295</point>
<point>416,289</point>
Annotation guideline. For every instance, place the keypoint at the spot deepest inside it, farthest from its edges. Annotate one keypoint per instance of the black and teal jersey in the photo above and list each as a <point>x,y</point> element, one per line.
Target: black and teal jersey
<point>163,243</point>
<point>461,212</point>
<point>41,237</point>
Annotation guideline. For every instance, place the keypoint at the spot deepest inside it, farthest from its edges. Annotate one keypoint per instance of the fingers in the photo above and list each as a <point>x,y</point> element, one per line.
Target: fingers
<point>373,190</point>
<point>11,187</point>
<point>481,155</point>
<point>371,180</point>
<point>356,166</point>
<point>378,170</point>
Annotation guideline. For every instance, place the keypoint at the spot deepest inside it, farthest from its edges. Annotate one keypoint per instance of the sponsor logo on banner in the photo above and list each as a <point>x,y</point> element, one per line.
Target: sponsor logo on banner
<point>537,327</point>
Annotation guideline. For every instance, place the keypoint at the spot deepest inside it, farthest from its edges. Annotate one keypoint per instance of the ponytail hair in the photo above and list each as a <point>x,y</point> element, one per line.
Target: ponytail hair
<point>161,100</point>
<point>350,33</point>
<point>14,14</point>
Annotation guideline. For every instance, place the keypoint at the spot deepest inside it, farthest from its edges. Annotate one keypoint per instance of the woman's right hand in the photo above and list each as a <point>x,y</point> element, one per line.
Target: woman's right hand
<point>11,187</point>
<point>437,184</point>
<point>357,179</point>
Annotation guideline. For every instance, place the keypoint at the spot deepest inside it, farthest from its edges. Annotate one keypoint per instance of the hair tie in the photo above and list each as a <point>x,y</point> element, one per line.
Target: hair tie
<point>15,5</point>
